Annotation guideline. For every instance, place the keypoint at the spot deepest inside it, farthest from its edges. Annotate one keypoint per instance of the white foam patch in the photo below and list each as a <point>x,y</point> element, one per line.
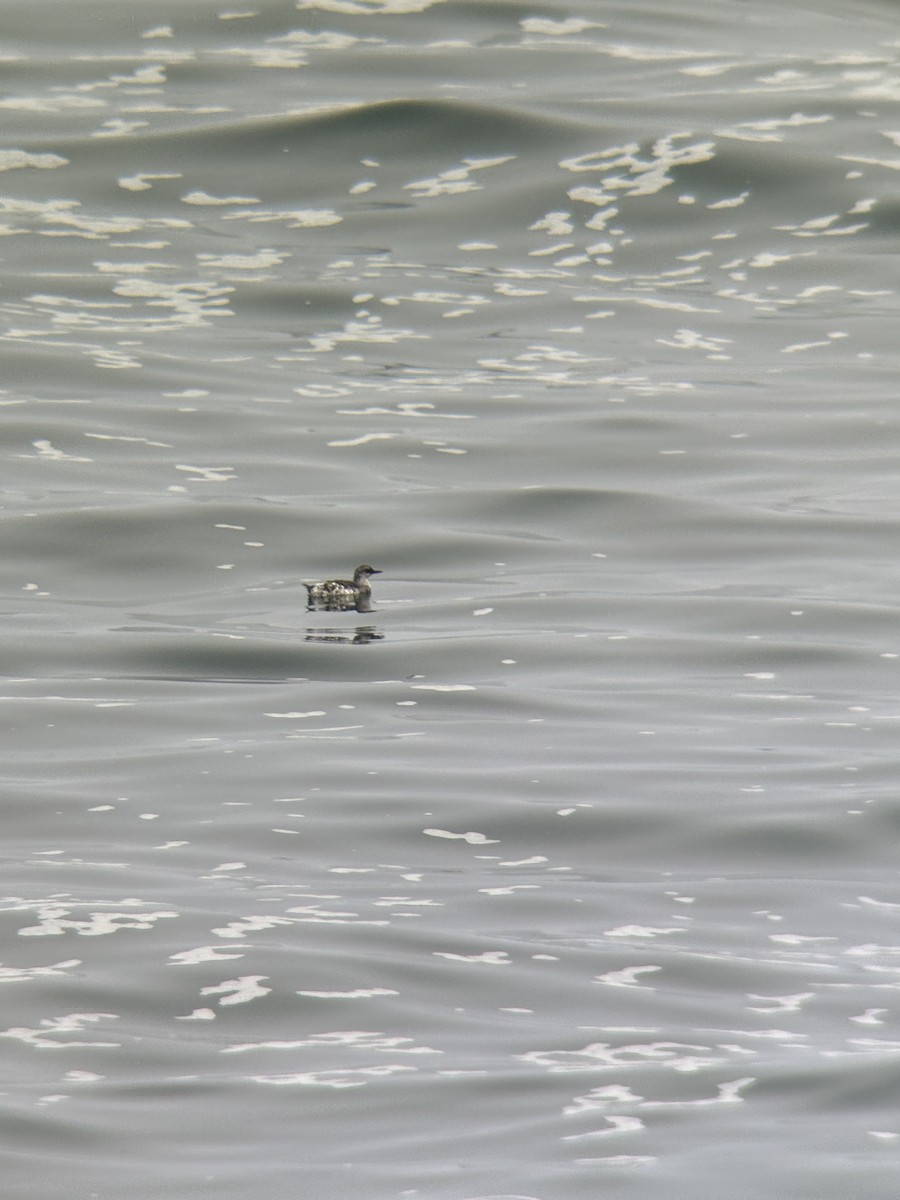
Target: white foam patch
<point>490,958</point>
<point>17,160</point>
<point>295,716</point>
<point>443,687</point>
<point>237,991</point>
<point>355,994</point>
<point>474,839</point>
<point>202,954</point>
<point>364,439</point>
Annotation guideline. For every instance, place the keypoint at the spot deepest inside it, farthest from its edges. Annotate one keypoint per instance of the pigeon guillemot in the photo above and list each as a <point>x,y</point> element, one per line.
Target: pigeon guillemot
<point>343,593</point>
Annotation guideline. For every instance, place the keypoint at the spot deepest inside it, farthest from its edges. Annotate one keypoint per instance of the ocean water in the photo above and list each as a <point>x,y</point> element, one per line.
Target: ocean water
<point>570,869</point>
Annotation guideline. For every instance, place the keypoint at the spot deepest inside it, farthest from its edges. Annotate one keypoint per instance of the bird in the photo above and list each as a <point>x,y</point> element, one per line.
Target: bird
<point>343,593</point>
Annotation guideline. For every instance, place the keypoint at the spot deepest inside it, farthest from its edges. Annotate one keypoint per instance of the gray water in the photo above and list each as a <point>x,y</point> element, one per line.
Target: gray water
<point>569,870</point>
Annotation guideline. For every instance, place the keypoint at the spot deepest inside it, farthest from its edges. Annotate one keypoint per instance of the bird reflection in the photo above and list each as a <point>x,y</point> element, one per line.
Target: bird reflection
<point>360,636</point>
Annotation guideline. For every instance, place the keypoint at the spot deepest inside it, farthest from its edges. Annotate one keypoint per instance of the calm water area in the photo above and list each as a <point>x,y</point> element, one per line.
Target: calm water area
<point>569,869</point>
